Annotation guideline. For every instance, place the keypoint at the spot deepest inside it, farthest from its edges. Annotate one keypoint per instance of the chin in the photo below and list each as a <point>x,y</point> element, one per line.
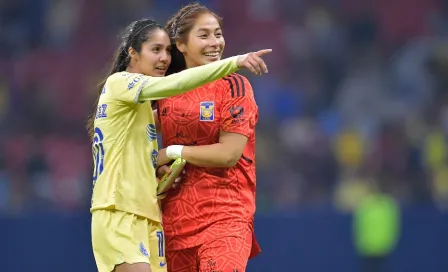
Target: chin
<point>158,73</point>
<point>210,60</point>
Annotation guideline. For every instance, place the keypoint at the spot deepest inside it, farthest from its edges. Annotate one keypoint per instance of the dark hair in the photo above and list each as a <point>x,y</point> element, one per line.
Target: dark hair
<point>178,27</point>
<point>134,36</point>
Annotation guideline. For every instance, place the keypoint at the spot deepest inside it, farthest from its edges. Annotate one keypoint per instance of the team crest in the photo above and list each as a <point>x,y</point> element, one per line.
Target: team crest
<point>207,111</point>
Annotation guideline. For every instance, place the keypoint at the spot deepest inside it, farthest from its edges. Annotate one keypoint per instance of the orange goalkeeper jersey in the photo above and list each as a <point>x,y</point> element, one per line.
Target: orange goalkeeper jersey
<point>211,202</point>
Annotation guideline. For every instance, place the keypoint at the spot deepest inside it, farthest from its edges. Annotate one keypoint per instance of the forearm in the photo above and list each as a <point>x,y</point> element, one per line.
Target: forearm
<point>226,153</point>
<point>214,155</point>
<point>156,88</point>
<point>162,158</point>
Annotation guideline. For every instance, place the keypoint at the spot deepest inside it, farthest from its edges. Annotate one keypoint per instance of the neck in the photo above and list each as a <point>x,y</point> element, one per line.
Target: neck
<point>131,69</point>
<point>189,64</point>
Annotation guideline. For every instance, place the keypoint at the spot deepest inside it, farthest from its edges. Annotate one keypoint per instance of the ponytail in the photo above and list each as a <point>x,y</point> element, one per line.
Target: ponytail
<point>134,36</point>
<point>121,63</point>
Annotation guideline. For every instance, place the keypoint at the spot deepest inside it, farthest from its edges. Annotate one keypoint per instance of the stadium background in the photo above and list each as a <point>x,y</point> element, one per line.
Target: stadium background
<point>356,97</point>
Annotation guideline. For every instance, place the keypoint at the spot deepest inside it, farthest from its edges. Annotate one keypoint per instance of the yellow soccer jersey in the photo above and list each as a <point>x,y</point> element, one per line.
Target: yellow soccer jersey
<point>125,150</point>
<point>125,145</point>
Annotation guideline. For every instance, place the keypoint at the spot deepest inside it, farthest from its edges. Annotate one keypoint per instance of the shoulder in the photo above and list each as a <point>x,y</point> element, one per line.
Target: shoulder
<point>113,79</point>
<point>125,77</point>
<point>236,85</point>
<point>117,76</point>
<point>236,79</point>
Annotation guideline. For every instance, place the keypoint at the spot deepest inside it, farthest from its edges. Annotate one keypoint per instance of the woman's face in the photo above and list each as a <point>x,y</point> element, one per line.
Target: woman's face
<point>154,57</point>
<point>205,42</point>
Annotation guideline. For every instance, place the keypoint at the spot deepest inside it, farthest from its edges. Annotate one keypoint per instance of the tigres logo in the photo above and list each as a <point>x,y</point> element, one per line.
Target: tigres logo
<point>207,112</point>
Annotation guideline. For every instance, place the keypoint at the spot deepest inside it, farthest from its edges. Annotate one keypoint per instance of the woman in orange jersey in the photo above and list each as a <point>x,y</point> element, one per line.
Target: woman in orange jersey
<point>208,220</point>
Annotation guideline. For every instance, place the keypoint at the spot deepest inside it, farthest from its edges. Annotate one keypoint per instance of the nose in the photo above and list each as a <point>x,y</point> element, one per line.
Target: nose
<point>164,57</point>
<point>214,42</point>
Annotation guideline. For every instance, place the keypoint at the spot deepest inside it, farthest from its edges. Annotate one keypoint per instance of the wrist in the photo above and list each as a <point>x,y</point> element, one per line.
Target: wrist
<point>174,151</point>
<point>238,61</point>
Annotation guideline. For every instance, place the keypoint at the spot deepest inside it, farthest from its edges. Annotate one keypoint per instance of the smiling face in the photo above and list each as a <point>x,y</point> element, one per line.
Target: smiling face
<point>154,56</point>
<point>205,42</point>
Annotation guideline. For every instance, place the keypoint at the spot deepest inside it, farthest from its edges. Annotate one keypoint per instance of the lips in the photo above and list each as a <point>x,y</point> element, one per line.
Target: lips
<point>161,70</point>
<point>212,54</point>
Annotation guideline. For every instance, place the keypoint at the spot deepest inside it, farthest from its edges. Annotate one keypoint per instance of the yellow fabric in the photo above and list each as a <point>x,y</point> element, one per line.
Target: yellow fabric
<point>125,150</point>
<point>125,145</point>
<point>120,237</point>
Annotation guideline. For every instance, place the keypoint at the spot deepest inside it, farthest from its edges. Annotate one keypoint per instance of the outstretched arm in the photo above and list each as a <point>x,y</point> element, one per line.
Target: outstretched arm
<point>134,88</point>
<point>155,88</point>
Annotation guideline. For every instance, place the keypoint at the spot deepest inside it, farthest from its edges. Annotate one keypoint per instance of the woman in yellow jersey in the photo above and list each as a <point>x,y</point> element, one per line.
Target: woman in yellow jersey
<point>126,231</point>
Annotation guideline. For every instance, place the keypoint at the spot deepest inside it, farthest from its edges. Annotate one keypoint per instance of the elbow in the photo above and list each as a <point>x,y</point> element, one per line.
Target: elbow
<point>230,160</point>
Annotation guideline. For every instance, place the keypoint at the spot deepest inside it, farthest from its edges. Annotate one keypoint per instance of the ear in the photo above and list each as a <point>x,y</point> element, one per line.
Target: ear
<point>132,53</point>
<point>181,46</point>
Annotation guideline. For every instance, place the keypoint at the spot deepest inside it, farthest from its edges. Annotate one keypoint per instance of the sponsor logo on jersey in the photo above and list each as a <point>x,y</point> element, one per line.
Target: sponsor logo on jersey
<point>151,132</point>
<point>236,111</point>
<point>207,111</point>
<point>154,158</point>
<point>143,250</point>
<point>237,114</point>
<point>134,81</point>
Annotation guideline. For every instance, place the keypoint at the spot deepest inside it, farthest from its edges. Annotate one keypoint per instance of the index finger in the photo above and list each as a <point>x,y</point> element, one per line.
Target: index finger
<point>263,52</point>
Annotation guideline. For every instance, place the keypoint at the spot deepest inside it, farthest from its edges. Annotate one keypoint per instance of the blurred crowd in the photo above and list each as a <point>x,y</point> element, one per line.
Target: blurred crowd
<point>355,98</point>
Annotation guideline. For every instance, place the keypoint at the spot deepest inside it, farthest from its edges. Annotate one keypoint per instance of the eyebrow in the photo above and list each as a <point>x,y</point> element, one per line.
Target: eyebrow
<point>158,44</point>
<point>208,29</point>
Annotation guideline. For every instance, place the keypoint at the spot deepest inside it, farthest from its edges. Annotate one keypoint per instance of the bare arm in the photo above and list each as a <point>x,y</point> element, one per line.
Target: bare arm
<point>162,158</point>
<point>226,153</point>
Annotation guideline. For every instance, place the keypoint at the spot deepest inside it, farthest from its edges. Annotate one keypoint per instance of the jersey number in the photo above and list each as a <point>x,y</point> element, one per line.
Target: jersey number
<point>98,154</point>
<point>161,244</point>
